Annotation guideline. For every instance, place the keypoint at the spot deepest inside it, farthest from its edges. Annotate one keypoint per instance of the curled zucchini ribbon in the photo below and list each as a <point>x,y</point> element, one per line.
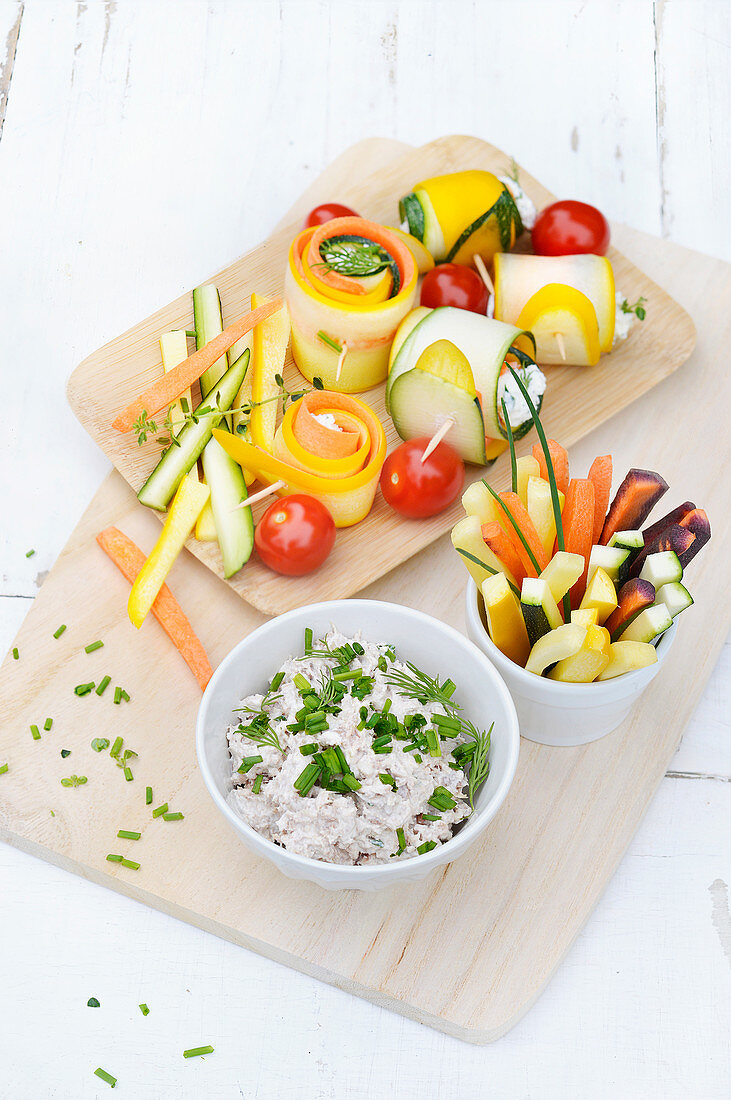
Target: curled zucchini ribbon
<point>352,281</point>
<point>339,466</point>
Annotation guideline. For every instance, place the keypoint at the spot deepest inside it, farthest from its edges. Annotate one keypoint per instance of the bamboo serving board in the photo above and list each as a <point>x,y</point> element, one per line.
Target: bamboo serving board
<point>470,949</point>
<point>577,400</point>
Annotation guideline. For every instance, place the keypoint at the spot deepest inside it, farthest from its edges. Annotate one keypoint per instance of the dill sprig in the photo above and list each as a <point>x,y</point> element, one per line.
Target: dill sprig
<point>354,258</point>
<point>480,759</point>
<point>425,689</point>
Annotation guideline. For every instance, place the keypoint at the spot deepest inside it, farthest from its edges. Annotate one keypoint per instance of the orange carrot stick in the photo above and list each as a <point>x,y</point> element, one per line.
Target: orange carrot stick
<point>578,527</point>
<point>163,392</point>
<point>559,458</point>
<point>600,475</point>
<point>129,559</point>
<point>520,514</point>
<point>501,546</point>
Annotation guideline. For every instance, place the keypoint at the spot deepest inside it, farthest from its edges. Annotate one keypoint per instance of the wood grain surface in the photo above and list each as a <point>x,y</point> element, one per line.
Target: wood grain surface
<point>577,400</point>
<point>467,951</point>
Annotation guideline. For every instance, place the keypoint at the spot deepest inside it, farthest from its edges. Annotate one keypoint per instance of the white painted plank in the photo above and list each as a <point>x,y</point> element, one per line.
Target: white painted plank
<point>694,92</point>
<point>639,1008</point>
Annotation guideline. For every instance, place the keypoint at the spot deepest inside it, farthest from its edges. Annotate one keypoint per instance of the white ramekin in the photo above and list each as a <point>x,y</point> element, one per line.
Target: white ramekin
<point>563,714</point>
<point>430,644</point>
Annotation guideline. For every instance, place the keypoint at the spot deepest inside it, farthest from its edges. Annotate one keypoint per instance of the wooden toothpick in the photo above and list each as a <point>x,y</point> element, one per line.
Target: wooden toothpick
<point>438,436</point>
<point>561,345</point>
<point>483,273</point>
<point>341,360</point>
<point>266,492</point>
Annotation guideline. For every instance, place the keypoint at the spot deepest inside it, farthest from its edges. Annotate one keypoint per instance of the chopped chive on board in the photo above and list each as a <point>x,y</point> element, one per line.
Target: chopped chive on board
<point>93,646</point>
<point>148,796</point>
<point>144,1009</point>
<point>99,1072</point>
<point>195,1052</point>
<point>57,633</point>
<point>3,768</point>
<point>131,863</point>
<point>128,834</point>
<point>16,653</point>
<point>160,810</point>
<point>48,723</point>
<point>93,1003</point>
<point>103,684</point>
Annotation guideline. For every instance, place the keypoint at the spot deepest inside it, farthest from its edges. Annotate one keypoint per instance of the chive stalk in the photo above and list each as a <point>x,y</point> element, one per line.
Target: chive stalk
<point>16,653</point>
<point>177,816</point>
<point>144,1009</point>
<point>255,788</point>
<point>112,858</point>
<point>84,689</point>
<point>3,768</point>
<point>131,864</point>
<point>511,445</point>
<point>487,568</point>
<point>48,723</point>
<point>148,796</point>
<point>36,733</point>
<point>329,341</point>
<point>515,526</point>
<point>160,810</point>
<point>114,751</point>
<point>103,684</point>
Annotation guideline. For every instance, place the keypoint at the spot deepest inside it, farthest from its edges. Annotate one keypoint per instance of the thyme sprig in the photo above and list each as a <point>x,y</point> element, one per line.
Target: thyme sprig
<point>638,308</point>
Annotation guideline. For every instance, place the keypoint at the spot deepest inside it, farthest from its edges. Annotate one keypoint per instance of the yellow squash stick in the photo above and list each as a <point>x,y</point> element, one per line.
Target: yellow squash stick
<point>187,505</point>
<point>174,350</point>
<point>270,342</point>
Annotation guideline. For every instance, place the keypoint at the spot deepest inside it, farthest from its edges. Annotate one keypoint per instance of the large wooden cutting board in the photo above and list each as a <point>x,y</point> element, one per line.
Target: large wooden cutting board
<point>578,398</point>
<point>469,950</point>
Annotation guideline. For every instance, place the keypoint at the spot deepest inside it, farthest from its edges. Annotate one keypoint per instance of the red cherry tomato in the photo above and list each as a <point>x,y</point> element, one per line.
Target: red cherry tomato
<point>295,535</point>
<point>568,227</point>
<point>454,285</point>
<point>418,489</point>
<point>327,212</point>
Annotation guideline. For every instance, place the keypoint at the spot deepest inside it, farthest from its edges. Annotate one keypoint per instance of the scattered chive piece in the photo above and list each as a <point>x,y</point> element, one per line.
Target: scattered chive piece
<point>177,816</point>
<point>93,646</point>
<point>255,789</point>
<point>48,723</point>
<point>99,744</point>
<point>128,834</point>
<point>29,553</point>
<point>36,733</point>
<point>195,1052</point>
<point>16,653</point>
<point>125,696</point>
<point>307,778</point>
<point>433,743</point>
<point>431,817</point>
<point>59,632</point>
<point>329,341</point>
<point>447,720</point>
<point>99,1072</point>
<point>114,751</point>
<point>401,841</point>
<point>92,1003</point>
<point>114,859</point>
<point>348,674</point>
<point>144,1009</point>
<point>276,681</point>
<point>248,763</point>
<point>426,847</point>
<point>117,695</point>
<point>84,689</point>
<point>131,863</point>
<point>387,780</point>
<point>307,750</point>
<point>103,685</point>
<point>308,639</point>
<point>160,810</point>
<point>148,796</point>
<point>352,782</point>
<point>65,753</point>
<point>128,775</point>
<point>3,769</point>
<point>301,682</point>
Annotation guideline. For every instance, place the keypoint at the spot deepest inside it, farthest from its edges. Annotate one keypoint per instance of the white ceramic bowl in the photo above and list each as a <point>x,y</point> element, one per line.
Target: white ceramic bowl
<point>563,714</point>
<point>434,647</point>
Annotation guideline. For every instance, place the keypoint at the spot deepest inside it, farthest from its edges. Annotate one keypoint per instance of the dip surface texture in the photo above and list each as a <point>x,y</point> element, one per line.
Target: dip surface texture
<point>384,775</point>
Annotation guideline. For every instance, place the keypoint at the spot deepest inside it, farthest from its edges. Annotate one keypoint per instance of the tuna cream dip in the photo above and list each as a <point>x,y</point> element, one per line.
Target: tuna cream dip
<point>353,756</point>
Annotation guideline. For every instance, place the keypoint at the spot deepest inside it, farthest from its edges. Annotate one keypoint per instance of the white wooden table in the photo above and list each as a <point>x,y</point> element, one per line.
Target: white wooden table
<point>144,143</point>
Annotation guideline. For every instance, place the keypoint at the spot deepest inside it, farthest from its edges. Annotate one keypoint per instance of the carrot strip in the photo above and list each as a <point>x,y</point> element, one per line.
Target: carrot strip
<point>495,537</point>
<point>129,559</point>
<point>578,528</point>
<point>559,459</point>
<point>166,389</point>
<point>520,514</point>
<point>600,475</point>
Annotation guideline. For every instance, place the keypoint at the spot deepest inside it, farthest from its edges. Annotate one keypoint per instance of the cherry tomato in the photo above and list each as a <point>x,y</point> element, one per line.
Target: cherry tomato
<point>327,212</point>
<point>418,489</point>
<point>295,535</point>
<point>568,227</point>
<point>454,285</point>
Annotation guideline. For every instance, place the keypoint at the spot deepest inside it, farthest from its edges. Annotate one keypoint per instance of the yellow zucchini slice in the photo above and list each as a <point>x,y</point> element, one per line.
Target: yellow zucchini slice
<point>587,616</point>
<point>563,570</point>
<point>467,535</point>
<point>600,594</point>
<point>527,467</point>
<point>270,342</point>
<point>588,662</point>
<point>628,657</point>
<point>561,643</point>
<point>187,505</point>
<point>504,619</point>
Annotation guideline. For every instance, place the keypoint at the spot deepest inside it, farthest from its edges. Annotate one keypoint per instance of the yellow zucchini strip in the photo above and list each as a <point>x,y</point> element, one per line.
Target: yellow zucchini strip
<point>187,505</point>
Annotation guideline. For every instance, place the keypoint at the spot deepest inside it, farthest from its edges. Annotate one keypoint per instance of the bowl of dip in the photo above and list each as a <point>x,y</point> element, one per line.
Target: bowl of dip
<point>563,714</point>
<point>398,805</point>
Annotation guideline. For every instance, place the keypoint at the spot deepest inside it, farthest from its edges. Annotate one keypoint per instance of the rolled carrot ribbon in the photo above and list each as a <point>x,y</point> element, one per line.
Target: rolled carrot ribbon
<point>342,473</point>
<point>329,296</point>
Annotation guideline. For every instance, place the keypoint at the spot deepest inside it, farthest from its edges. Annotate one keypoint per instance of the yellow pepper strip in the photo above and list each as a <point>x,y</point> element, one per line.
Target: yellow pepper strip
<point>187,505</point>
<point>174,349</point>
<point>271,338</point>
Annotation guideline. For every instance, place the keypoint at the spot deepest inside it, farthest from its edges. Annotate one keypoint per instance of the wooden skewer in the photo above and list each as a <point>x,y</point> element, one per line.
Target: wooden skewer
<point>341,360</point>
<point>483,273</point>
<point>266,492</point>
<point>561,345</point>
<point>438,436</point>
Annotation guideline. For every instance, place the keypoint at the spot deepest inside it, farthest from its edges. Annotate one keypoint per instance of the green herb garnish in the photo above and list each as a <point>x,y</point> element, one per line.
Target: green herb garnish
<point>99,744</point>
<point>59,632</point>
<point>16,653</point>
<point>47,725</point>
<point>425,689</point>
<point>65,753</point>
<point>84,689</point>
<point>177,816</point>
<point>511,445</point>
<point>103,684</point>
<point>195,1052</point>
<point>144,1009</point>
<point>99,1072</point>
<point>35,733</point>
<point>93,646</point>
<point>160,810</point>
<point>128,834</point>
<point>329,341</point>
<point>638,308</point>
<point>92,1003</point>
